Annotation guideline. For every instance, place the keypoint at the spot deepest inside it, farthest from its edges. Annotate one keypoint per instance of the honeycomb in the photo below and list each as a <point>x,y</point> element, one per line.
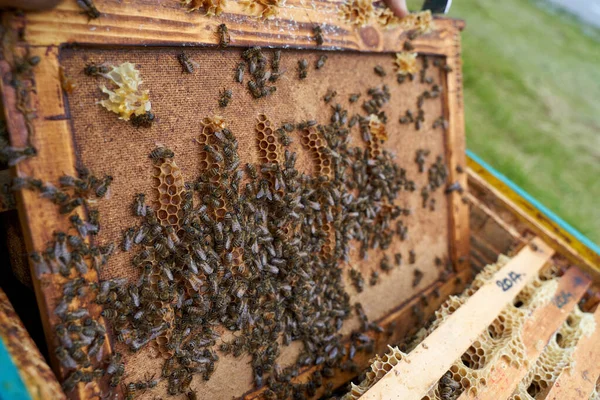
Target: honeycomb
<point>406,63</point>
<point>263,8</point>
<point>378,135</point>
<point>379,367</point>
<point>125,98</point>
<point>169,190</point>
<point>502,339</point>
<point>556,357</point>
<point>421,22</point>
<point>210,7</point>
<point>311,141</point>
<point>357,12</point>
<point>269,150</point>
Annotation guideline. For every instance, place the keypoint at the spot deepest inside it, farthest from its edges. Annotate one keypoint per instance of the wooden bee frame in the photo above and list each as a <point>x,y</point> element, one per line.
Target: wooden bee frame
<point>153,24</point>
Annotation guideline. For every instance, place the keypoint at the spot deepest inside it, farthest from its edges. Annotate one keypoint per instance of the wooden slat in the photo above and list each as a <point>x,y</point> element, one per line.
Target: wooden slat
<point>522,210</point>
<point>577,381</point>
<point>55,157</point>
<point>537,331</point>
<point>7,200</point>
<point>412,377</point>
<point>511,230</point>
<point>168,23</point>
<point>37,376</point>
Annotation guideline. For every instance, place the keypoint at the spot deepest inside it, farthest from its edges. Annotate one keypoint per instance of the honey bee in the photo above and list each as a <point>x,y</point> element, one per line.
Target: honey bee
<point>89,8</point>
<point>224,37</point>
<point>302,68</point>
<point>70,206</point>
<point>239,72</point>
<point>275,61</point>
<point>329,95</point>
<point>385,264</point>
<point>102,189</point>
<point>96,69</point>
<point>354,97</point>
<point>321,62</point>
<point>161,152</point>
<point>40,265</point>
<point>379,70</point>
<point>225,98</point>
<point>187,65</point>
<point>144,120</point>
<point>318,34</point>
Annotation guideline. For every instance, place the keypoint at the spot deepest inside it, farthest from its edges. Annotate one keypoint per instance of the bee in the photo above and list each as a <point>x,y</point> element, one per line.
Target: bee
<point>225,98</point>
<point>440,122</point>
<point>187,65</point>
<point>447,68</point>
<point>398,259</point>
<point>354,97</point>
<point>254,90</point>
<point>89,7</point>
<point>96,69</point>
<point>251,53</point>
<point>408,46</point>
<point>142,120</point>
<point>276,60</point>
<point>318,35</point>
<point>385,264</point>
<point>302,68</point>
<point>374,278</point>
<point>239,72</point>
<point>15,155</point>
<point>139,205</point>
<point>329,95</point>
<point>65,358</point>
<point>192,395</point>
<point>161,152</point>
<point>102,189</point>
<point>71,205</point>
<point>40,265</point>
<point>379,70</point>
<point>224,37</point>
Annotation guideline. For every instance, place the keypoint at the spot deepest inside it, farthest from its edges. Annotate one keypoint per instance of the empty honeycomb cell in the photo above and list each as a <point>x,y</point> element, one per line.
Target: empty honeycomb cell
<point>272,157</point>
<point>163,188</point>
<point>165,169</point>
<point>172,219</point>
<point>176,199</point>
<point>262,118</point>
<point>162,340</point>
<point>164,198</point>
<point>312,137</point>
<point>271,140</point>
<point>263,145</point>
<point>326,162</point>
<point>203,165</point>
<point>272,148</point>
<point>162,214</point>
<point>155,182</point>
<point>261,127</point>
<point>172,190</point>
<point>156,172</point>
<point>169,179</point>
<point>172,210</point>
<point>268,131</point>
<point>260,135</point>
<point>262,153</point>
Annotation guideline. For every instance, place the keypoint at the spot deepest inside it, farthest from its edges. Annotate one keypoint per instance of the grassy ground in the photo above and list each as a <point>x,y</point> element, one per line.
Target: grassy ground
<point>532,102</point>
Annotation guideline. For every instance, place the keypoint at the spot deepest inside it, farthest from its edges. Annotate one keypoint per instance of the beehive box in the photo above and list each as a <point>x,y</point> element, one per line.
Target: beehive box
<point>53,106</point>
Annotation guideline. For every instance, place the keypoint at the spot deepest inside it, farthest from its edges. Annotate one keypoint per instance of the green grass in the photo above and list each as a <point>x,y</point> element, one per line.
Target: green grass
<point>532,102</point>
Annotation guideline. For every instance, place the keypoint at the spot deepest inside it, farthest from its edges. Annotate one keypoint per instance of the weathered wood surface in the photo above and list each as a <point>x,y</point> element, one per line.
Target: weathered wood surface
<point>413,376</point>
<point>37,376</point>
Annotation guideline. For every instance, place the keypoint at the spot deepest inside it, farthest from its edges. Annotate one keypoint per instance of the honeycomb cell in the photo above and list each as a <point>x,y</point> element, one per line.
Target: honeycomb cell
<point>260,135</point>
<point>162,188</point>
<point>272,157</point>
<point>263,145</point>
<point>262,118</point>
<point>162,214</point>
<point>272,148</point>
<point>268,131</point>
<point>156,172</point>
<point>305,141</point>
<point>270,140</point>
<point>260,127</point>
<point>155,182</point>
<point>262,153</point>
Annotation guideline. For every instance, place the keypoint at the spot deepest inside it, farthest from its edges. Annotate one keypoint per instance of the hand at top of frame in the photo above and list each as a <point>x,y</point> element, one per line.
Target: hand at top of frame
<point>29,4</point>
<point>398,7</point>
